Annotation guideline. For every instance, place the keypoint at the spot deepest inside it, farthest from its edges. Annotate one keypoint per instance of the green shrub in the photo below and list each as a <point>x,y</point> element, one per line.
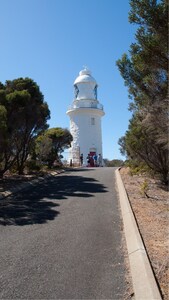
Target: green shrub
<point>144,188</point>
<point>137,168</point>
<point>32,165</point>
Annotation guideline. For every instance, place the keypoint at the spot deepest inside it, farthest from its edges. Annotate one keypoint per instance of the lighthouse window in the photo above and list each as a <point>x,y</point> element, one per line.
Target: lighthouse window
<point>95,92</point>
<point>92,121</point>
<point>76,91</point>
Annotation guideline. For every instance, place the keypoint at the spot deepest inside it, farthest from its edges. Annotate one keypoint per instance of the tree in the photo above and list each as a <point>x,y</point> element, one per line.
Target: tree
<point>139,145</point>
<point>113,162</point>
<point>122,143</point>
<point>6,159</point>
<point>26,116</point>
<point>51,144</point>
<point>145,72</point>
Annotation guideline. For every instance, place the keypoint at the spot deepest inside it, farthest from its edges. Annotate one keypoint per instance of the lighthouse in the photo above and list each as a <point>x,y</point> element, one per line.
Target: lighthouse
<point>85,115</point>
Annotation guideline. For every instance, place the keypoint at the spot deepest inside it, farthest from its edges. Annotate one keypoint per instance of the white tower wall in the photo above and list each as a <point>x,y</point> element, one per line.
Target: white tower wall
<point>86,130</point>
<point>85,118</point>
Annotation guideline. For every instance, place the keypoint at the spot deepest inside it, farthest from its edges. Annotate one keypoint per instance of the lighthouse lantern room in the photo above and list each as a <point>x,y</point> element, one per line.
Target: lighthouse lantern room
<point>85,120</point>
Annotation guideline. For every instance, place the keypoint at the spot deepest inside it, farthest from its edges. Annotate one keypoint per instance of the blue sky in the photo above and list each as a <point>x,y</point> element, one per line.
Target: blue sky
<point>51,40</point>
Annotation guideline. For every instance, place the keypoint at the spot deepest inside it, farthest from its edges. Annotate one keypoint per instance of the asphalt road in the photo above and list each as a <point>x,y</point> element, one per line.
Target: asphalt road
<point>63,239</point>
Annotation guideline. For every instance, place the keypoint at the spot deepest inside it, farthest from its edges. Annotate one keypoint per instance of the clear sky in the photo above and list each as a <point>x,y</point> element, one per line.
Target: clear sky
<point>51,40</point>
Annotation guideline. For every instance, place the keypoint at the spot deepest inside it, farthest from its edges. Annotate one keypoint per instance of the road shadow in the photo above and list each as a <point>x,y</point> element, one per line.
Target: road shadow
<point>26,208</point>
<point>38,204</point>
<point>79,169</point>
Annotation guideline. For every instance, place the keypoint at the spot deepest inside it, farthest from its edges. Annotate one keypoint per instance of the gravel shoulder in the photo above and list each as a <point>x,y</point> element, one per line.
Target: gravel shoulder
<point>152,215</point>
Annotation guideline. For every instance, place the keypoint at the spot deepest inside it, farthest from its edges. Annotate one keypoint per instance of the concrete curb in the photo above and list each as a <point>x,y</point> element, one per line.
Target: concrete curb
<point>27,184</point>
<point>144,283</point>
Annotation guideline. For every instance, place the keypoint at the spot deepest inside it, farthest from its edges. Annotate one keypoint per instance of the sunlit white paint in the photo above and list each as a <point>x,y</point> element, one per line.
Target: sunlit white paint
<point>85,118</point>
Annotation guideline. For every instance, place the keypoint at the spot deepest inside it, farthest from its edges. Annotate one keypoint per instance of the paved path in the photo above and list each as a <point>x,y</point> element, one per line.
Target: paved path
<point>63,239</point>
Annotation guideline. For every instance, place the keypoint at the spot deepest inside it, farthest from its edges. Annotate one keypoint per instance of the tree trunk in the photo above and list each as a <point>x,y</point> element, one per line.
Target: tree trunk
<point>2,174</point>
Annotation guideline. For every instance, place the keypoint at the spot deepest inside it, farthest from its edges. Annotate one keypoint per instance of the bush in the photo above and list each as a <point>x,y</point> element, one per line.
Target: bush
<point>137,168</point>
<point>32,165</point>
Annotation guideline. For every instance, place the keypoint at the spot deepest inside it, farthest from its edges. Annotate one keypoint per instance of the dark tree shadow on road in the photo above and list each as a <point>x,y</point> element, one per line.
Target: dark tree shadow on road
<point>38,204</point>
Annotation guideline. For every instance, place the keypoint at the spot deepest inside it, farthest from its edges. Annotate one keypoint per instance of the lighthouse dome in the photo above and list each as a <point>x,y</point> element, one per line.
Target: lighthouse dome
<point>85,86</point>
<point>85,77</point>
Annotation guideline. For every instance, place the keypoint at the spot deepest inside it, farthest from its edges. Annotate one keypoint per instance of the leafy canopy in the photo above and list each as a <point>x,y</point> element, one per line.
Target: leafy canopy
<point>145,73</point>
<point>23,115</point>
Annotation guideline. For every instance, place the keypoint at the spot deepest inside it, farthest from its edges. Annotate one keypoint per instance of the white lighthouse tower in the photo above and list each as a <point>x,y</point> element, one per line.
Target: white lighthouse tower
<point>85,119</point>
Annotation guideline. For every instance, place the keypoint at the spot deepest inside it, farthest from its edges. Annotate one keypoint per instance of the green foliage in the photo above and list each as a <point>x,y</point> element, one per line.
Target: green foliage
<point>113,162</point>
<point>144,188</point>
<point>145,69</point>
<point>141,145</point>
<point>51,144</point>
<point>145,72</point>
<point>23,115</point>
<point>3,118</point>
<point>122,144</point>
<point>3,124</point>
<point>137,167</point>
<point>32,165</point>
<point>43,147</point>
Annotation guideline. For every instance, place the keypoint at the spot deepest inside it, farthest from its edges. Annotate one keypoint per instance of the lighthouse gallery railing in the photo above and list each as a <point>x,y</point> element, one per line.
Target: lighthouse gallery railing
<point>80,105</point>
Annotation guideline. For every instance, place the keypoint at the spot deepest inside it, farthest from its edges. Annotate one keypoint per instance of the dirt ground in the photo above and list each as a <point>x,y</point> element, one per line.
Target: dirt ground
<point>152,215</point>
